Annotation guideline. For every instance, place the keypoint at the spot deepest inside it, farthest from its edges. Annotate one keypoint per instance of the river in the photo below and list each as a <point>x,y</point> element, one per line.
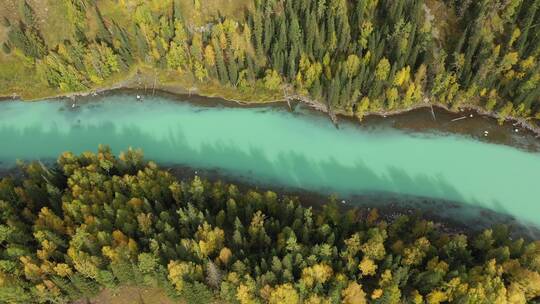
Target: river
<point>301,150</point>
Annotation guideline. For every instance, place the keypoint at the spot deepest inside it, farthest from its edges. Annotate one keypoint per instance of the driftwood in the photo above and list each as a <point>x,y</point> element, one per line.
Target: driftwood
<point>315,105</point>
<point>459,118</point>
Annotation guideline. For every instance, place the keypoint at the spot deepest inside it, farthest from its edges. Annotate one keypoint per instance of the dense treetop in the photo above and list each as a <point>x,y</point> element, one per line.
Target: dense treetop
<point>96,221</point>
<point>355,55</point>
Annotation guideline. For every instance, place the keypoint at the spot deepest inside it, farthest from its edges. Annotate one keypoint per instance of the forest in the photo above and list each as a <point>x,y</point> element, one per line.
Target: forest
<point>356,56</point>
<point>96,221</point>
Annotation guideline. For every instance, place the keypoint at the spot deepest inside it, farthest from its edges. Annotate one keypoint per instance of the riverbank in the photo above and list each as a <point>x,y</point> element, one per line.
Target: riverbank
<point>447,215</point>
<point>142,82</point>
<point>375,160</point>
<point>421,119</point>
<point>518,122</point>
<point>390,206</point>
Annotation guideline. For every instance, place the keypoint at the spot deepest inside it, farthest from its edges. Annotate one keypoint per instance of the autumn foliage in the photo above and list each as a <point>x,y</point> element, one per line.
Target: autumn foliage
<point>98,221</point>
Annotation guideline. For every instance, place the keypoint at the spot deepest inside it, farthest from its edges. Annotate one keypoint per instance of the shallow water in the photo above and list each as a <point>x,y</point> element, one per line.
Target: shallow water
<point>275,147</point>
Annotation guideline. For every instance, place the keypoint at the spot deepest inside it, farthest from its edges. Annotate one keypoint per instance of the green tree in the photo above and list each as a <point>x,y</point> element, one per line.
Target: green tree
<point>272,80</point>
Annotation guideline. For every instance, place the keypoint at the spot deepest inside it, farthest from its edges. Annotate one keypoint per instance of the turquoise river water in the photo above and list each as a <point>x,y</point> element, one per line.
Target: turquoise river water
<point>273,146</point>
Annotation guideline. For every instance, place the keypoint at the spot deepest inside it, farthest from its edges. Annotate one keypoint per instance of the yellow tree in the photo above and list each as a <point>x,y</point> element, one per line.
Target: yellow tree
<point>284,293</point>
<point>245,294</point>
<point>367,267</point>
<point>352,65</point>
<point>383,69</point>
<point>178,272</point>
<point>354,294</point>
<point>316,274</point>
<point>272,80</point>
<point>209,56</point>
<point>374,247</point>
<point>403,76</point>
<point>210,239</point>
<point>436,297</point>
<point>362,107</point>
<point>225,255</point>
<point>414,254</point>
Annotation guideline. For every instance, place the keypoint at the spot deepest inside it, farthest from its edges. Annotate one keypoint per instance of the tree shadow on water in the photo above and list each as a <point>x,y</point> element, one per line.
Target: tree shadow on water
<point>359,184</point>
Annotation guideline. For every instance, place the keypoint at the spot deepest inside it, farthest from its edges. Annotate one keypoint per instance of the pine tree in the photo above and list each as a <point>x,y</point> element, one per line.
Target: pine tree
<point>221,67</point>
<point>6,48</point>
<point>213,275</point>
<point>232,67</point>
<point>27,13</point>
<point>103,33</point>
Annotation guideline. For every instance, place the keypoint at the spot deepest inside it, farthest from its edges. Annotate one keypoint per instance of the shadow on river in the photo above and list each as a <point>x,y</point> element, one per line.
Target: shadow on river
<point>453,215</point>
<point>450,216</point>
<point>422,120</point>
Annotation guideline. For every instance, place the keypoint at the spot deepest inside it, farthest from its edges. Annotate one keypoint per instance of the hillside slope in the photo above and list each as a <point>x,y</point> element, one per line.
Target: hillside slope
<point>356,56</point>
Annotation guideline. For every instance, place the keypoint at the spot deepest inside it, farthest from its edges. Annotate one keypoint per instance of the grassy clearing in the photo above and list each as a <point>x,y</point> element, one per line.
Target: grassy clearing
<point>251,95</point>
<point>211,8</point>
<point>136,295</point>
<point>23,80</point>
<point>132,295</point>
<point>53,22</point>
<point>196,14</point>
<point>16,77</point>
<point>213,88</point>
<point>50,18</point>
<point>20,78</point>
<point>444,19</point>
<point>10,9</point>
<point>110,10</point>
<point>182,83</point>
